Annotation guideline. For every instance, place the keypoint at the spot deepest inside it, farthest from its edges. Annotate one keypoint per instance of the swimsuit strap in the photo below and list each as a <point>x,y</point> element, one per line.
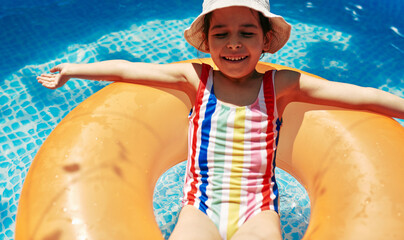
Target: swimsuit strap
<point>269,92</point>
<point>202,85</point>
<point>270,102</point>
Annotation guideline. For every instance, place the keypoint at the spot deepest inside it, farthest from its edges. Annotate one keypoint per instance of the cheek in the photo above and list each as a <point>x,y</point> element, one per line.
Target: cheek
<point>208,42</point>
<point>213,44</point>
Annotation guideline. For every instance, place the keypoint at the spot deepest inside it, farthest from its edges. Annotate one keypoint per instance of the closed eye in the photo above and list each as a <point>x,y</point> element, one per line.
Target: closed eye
<point>247,34</point>
<point>220,35</point>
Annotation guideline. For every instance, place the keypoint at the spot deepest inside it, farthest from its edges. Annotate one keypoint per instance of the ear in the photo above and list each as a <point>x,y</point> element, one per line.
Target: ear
<point>267,41</point>
<point>205,41</point>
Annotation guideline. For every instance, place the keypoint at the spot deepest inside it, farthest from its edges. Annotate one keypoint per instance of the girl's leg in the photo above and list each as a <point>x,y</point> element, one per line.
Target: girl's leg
<point>265,225</point>
<point>193,225</point>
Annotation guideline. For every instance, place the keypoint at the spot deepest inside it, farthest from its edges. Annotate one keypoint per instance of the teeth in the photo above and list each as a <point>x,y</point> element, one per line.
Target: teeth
<point>234,58</point>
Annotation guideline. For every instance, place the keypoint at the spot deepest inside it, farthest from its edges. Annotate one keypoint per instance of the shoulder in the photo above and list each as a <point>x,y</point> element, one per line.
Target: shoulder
<point>286,88</point>
<point>286,82</point>
<point>193,73</point>
<point>190,72</point>
<point>294,86</point>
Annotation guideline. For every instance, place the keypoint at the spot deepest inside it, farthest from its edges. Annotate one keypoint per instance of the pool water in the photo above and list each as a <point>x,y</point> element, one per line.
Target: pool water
<point>360,42</point>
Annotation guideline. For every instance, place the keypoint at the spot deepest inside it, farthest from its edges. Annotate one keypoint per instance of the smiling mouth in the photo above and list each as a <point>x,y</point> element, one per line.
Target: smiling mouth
<point>234,59</point>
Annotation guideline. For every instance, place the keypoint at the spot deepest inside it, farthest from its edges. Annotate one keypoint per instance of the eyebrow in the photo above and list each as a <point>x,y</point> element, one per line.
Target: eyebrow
<point>248,25</point>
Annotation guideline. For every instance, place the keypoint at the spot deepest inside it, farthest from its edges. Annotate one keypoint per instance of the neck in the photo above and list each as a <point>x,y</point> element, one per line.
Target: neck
<point>254,75</point>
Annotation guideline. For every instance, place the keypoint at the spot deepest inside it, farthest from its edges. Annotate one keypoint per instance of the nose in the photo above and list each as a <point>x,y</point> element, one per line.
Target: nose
<point>234,43</point>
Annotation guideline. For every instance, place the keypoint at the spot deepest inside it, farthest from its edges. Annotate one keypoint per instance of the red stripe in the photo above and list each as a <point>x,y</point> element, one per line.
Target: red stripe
<point>200,93</point>
<point>269,102</point>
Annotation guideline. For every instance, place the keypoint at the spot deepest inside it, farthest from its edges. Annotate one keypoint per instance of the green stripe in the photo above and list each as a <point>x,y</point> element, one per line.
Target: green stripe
<point>219,149</point>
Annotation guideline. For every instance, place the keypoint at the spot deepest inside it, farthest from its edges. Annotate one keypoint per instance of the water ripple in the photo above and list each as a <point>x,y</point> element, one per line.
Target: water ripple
<point>396,31</point>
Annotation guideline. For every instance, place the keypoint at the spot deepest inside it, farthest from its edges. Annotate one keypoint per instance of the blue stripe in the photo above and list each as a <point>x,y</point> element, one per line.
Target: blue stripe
<point>203,154</point>
<point>273,179</point>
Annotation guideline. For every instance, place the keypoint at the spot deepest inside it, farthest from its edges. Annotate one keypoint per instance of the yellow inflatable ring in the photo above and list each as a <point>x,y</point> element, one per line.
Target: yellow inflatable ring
<point>94,176</point>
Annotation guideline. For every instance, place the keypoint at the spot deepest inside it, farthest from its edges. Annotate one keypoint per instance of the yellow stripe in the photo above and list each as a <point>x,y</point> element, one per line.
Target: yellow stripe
<point>236,172</point>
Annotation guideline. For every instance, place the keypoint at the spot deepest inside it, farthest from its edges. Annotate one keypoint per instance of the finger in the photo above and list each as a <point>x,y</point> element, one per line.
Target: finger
<point>49,85</point>
<point>55,69</point>
<point>45,79</point>
<point>47,75</point>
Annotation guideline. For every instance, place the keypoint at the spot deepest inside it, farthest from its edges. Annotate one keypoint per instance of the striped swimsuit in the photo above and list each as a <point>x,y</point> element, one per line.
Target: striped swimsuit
<point>230,173</point>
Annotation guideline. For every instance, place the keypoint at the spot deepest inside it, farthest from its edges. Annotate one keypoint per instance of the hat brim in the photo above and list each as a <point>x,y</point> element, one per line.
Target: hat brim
<point>278,36</point>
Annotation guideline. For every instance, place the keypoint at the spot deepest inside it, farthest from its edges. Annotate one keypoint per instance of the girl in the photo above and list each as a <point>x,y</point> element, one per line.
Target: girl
<point>230,189</point>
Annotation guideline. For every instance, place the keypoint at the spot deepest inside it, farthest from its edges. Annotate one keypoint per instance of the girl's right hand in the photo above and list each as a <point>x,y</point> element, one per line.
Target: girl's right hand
<point>55,80</point>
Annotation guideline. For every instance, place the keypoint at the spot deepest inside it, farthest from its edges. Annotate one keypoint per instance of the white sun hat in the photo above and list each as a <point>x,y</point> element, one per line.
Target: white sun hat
<point>279,35</point>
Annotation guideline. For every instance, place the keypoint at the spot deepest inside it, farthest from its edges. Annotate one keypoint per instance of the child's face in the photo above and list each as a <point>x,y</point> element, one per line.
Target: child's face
<point>236,41</point>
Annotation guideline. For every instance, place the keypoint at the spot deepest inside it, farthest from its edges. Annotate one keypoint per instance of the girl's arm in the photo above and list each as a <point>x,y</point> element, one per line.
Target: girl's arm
<point>297,87</point>
<point>182,76</point>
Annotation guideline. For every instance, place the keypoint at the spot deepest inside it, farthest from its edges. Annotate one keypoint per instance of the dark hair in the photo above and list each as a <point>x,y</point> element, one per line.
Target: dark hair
<point>264,22</point>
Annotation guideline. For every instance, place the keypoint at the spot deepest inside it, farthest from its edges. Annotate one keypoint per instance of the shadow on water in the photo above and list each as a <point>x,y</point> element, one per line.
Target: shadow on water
<point>329,64</point>
<point>359,62</point>
<point>376,31</point>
